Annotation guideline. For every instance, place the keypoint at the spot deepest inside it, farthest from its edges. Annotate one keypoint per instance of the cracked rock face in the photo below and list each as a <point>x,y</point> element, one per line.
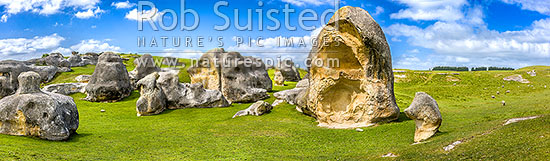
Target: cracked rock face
<point>110,81</point>
<point>185,95</point>
<point>32,112</point>
<point>239,78</point>
<point>357,91</point>
<point>425,112</point>
<point>152,100</point>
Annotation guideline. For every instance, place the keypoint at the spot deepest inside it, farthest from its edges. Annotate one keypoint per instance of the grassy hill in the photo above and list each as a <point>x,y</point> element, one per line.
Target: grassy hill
<point>469,114</point>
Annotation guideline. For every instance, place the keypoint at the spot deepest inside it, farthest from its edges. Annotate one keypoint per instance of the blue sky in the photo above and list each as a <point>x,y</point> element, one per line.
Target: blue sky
<point>421,33</point>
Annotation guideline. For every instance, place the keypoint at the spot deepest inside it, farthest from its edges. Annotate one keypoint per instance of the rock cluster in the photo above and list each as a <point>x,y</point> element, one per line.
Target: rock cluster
<point>425,112</point>
<point>517,78</point>
<point>257,109</point>
<point>357,91</point>
<point>32,112</point>
<point>10,70</point>
<point>185,95</point>
<point>110,81</point>
<point>239,78</point>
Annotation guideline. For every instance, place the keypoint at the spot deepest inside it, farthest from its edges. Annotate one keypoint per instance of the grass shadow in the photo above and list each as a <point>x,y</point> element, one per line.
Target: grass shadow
<point>76,137</point>
<point>402,117</point>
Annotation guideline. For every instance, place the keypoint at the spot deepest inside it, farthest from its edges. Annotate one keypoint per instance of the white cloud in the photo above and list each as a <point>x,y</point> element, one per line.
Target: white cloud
<point>92,45</point>
<point>187,53</point>
<point>541,6</point>
<point>309,2</point>
<point>446,10</point>
<point>61,50</point>
<point>133,14</point>
<point>29,46</point>
<point>378,10</point>
<point>43,7</point>
<point>89,13</point>
<point>123,5</point>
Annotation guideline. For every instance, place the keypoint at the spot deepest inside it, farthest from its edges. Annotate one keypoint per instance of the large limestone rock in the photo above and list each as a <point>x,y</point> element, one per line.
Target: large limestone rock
<point>289,96</point>
<point>10,70</point>
<point>32,112</point>
<point>516,78</point>
<point>239,78</point>
<point>288,70</point>
<point>66,88</point>
<point>75,60</point>
<point>185,95</point>
<point>357,91</point>
<point>145,65</point>
<point>110,81</point>
<point>152,100</point>
<point>257,109</point>
<point>278,78</point>
<point>425,112</point>
<point>90,58</point>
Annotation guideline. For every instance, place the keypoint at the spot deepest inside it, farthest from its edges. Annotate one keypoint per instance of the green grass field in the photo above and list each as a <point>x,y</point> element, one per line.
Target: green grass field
<point>469,113</point>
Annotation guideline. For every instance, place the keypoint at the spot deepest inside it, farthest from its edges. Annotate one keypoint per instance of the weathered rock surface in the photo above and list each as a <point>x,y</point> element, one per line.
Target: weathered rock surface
<point>10,70</point>
<point>56,59</point>
<point>288,70</point>
<point>66,88</point>
<point>184,95</point>
<point>532,73</point>
<point>32,112</point>
<point>357,91</point>
<point>425,112</point>
<point>289,95</point>
<point>278,78</point>
<point>152,100</point>
<point>304,83</point>
<point>257,109</point>
<point>517,78</point>
<point>110,81</point>
<point>239,78</point>
<point>90,58</point>
<point>145,65</point>
<point>83,78</point>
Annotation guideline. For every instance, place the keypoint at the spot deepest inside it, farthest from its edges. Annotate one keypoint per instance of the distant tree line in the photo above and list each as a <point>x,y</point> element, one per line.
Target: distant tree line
<point>446,68</point>
<point>491,68</point>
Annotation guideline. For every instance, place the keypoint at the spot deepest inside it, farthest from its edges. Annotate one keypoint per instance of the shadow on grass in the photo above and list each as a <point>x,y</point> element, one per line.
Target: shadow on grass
<point>402,117</point>
<point>76,137</point>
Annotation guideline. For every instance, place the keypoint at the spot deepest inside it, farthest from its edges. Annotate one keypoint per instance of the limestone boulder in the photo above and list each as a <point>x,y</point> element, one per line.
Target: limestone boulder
<point>425,112</point>
<point>152,100</point>
<point>110,81</point>
<point>288,70</point>
<point>83,78</point>
<point>10,70</point>
<point>289,96</point>
<point>90,58</point>
<point>357,89</point>
<point>239,78</point>
<point>304,83</point>
<point>75,60</point>
<point>47,73</point>
<point>66,88</point>
<point>185,95</point>
<point>145,65</point>
<point>32,112</point>
<point>278,78</point>
<point>257,109</point>
<point>56,59</point>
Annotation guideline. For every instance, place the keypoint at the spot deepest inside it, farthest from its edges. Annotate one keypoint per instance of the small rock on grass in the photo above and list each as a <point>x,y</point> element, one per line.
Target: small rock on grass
<point>390,155</point>
<point>493,96</point>
<point>503,103</point>
<point>452,146</point>
<point>359,130</point>
<point>102,110</point>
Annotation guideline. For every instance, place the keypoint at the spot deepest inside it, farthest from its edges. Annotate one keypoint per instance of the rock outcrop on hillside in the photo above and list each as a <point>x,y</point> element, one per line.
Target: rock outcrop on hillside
<point>516,78</point>
<point>110,81</point>
<point>239,78</point>
<point>32,112</point>
<point>425,112</point>
<point>358,91</point>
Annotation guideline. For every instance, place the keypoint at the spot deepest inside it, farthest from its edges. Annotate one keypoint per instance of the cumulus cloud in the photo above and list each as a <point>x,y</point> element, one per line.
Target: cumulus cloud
<point>378,10</point>
<point>123,5</point>
<point>446,10</point>
<point>310,2</point>
<point>541,6</point>
<point>89,13</point>
<point>153,13</point>
<point>29,46</point>
<point>186,53</point>
<point>43,7</point>
<point>92,45</point>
